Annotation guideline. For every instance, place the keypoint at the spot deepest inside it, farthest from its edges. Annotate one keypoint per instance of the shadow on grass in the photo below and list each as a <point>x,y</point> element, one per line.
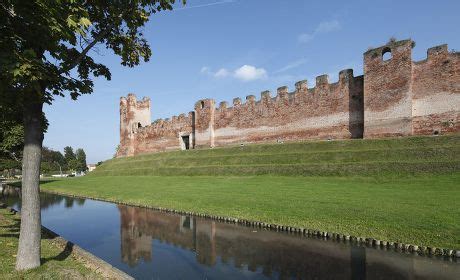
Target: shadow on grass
<point>62,255</point>
<point>12,231</point>
<point>43,182</point>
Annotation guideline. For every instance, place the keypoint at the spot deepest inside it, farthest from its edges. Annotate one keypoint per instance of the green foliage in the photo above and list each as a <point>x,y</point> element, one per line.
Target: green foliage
<point>45,47</point>
<point>52,161</point>
<point>69,155</point>
<point>80,160</point>
<point>42,42</point>
<point>11,139</point>
<point>48,168</point>
<point>11,128</point>
<point>75,161</point>
<point>6,164</point>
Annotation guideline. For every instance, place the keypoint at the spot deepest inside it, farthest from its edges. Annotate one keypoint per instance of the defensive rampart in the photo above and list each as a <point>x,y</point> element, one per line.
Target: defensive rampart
<point>394,97</point>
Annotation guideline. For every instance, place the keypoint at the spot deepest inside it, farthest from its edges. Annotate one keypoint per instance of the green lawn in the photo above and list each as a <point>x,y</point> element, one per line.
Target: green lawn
<point>379,157</point>
<point>419,210</point>
<point>56,263</point>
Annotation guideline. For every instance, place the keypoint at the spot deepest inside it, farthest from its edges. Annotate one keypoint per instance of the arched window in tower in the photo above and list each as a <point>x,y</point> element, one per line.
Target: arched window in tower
<point>386,54</point>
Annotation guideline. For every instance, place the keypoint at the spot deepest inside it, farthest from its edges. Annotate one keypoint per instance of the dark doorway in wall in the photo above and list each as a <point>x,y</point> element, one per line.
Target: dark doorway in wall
<point>186,141</point>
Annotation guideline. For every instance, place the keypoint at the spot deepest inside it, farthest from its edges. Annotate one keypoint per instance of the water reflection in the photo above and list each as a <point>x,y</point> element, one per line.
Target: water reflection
<point>276,255</point>
<point>11,195</point>
<point>149,244</point>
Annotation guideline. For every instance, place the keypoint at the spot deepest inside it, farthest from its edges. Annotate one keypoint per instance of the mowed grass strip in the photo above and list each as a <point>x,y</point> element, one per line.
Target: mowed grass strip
<point>310,147</point>
<point>398,156</point>
<point>327,169</point>
<point>56,264</point>
<point>410,209</point>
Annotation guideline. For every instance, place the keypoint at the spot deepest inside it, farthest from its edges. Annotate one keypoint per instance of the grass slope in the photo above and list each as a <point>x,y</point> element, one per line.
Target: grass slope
<point>56,264</point>
<point>413,155</point>
<point>401,190</point>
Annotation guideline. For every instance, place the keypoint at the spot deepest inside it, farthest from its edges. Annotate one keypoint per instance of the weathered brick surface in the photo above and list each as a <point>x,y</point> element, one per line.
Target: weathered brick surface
<point>436,92</point>
<point>396,97</point>
<point>133,115</point>
<point>387,91</point>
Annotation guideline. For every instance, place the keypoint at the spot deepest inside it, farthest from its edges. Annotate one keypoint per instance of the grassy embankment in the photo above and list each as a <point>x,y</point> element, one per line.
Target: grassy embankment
<point>403,190</point>
<point>56,263</point>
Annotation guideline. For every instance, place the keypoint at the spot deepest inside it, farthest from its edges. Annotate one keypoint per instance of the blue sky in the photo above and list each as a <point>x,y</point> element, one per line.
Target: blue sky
<point>225,49</point>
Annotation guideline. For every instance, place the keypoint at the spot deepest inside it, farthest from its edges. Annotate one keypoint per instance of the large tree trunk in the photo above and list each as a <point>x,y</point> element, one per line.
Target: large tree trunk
<point>29,238</point>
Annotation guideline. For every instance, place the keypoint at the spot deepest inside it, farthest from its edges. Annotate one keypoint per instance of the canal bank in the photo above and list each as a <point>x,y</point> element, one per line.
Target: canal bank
<point>60,259</point>
<point>400,190</point>
<point>98,268</point>
<point>414,210</point>
<point>146,243</point>
<point>368,242</point>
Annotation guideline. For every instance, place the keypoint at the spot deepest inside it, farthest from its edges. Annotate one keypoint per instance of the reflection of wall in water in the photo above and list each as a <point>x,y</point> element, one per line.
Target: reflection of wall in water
<point>136,243</point>
<point>272,252</point>
<point>286,255</point>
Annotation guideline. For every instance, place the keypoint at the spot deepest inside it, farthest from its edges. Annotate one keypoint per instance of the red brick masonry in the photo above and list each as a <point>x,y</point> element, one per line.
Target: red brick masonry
<point>394,97</point>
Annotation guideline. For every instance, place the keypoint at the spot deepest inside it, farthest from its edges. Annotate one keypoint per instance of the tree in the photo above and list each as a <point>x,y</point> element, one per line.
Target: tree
<point>51,160</point>
<point>44,52</point>
<point>81,160</point>
<point>70,158</point>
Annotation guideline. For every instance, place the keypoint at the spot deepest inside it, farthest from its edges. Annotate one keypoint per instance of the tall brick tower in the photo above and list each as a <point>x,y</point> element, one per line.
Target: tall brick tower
<point>134,114</point>
<point>388,90</point>
<point>204,122</point>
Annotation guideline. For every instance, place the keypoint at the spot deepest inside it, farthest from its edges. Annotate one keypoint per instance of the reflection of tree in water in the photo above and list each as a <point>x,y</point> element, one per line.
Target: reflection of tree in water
<point>11,195</point>
<point>48,200</point>
<point>80,201</point>
<point>68,202</point>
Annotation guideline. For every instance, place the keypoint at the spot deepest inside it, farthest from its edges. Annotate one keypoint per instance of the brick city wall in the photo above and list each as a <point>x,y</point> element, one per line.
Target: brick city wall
<point>394,97</point>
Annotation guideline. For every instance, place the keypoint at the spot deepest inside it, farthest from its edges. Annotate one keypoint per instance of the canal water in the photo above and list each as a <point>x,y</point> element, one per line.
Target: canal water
<point>148,244</point>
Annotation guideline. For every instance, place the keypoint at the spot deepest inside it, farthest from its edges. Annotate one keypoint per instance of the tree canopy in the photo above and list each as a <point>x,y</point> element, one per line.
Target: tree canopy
<point>80,160</point>
<point>42,41</point>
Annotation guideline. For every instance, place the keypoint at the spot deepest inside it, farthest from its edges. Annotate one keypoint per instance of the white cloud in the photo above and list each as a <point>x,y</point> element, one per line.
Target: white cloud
<point>244,73</point>
<point>323,27</point>
<point>250,73</point>
<point>222,73</point>
<point>292,65</point>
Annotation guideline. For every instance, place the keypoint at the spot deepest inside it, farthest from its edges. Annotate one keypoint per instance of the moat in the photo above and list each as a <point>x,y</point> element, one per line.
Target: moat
<point>148,244</point>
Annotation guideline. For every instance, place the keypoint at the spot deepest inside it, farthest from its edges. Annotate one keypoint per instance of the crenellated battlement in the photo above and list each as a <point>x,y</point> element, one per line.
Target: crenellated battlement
<point>132,100</point>
<point>396,96</point>
<point>283,93</point>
